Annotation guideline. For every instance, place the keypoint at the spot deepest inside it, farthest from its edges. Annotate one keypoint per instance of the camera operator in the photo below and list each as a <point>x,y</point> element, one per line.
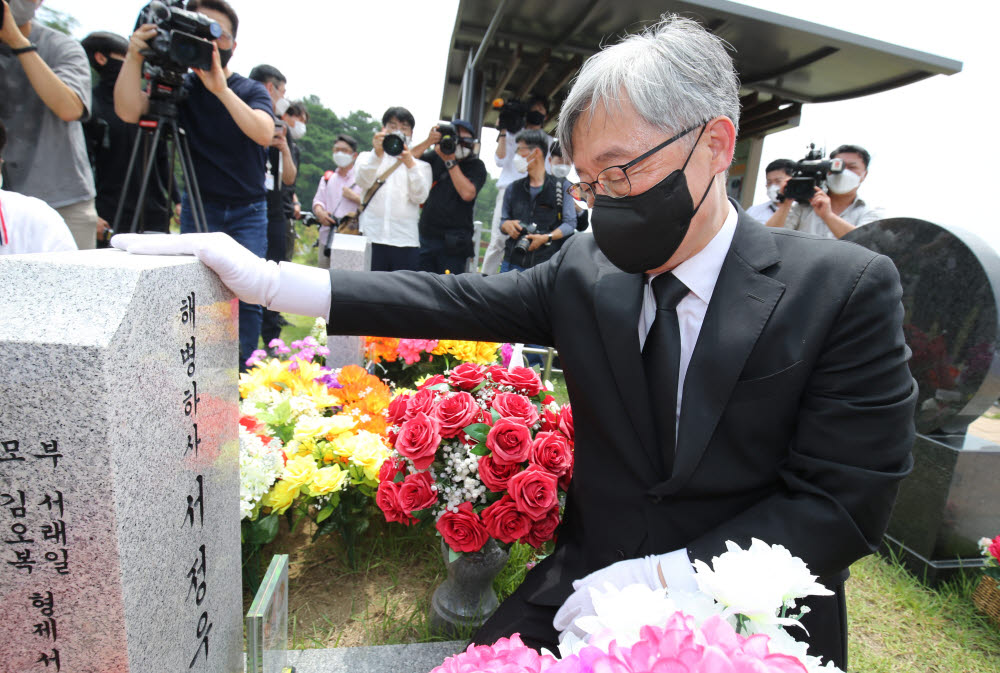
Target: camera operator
<point>110,142</point>
<point>776,175</point>
<point>446,218</point>
<point>537,212</point>
<point>833,215</point>
<point>394,185</point>
<point>44,95</point>
<point>280,171</point>
<point>229,123</point>
<point>538,110</point>
<point>337,195</point>
<point>28,224</point>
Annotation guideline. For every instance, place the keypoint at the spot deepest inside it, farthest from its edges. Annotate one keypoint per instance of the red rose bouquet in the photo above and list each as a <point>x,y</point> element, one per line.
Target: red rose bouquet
<point>483,452</point>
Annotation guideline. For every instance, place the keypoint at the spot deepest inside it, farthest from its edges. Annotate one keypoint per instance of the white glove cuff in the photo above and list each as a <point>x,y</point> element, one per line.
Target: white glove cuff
<point>677,571</point>
<point>302,290</point>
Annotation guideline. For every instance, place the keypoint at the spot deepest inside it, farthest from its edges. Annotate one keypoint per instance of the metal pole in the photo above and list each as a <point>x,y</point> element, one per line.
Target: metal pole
<point>490,30</point>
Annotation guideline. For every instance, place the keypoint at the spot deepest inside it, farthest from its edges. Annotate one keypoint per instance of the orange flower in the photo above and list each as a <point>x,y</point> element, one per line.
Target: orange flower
<point>381,348</point>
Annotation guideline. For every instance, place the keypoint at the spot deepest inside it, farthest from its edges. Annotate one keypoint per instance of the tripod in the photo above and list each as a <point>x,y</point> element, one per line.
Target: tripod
<point>156,126</point>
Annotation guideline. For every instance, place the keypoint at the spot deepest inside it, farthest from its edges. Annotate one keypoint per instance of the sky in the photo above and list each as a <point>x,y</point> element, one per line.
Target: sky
<point>922,137</point>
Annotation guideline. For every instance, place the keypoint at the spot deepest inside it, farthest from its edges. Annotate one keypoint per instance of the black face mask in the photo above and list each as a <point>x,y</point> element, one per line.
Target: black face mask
<point>534,117</point>
<point>640,233</point>
<point>110,70</point>
<point>224,56</point>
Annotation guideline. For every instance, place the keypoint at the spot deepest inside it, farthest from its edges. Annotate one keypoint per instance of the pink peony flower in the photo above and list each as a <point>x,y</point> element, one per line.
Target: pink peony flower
<point>507,655</point>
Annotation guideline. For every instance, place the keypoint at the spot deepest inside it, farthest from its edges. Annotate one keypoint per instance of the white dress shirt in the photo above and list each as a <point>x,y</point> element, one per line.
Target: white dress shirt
<point>392,216</point>
<point>28,225</point>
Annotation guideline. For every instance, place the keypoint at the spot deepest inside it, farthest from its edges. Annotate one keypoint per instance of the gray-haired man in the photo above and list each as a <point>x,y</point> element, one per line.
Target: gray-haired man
<point>706,408</point>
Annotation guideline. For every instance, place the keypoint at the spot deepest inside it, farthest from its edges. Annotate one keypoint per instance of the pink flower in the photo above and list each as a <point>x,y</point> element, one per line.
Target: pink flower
<point>994,548</point>
<point>411,349</point>
<point>505,655</point>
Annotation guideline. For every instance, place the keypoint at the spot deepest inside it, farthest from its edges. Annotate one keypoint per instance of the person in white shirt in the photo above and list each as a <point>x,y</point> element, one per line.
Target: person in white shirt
<point>390,218</point>
<point>28,224</point>
<point>776,174</point>
<point>833,214</point>
<point>538,110</point>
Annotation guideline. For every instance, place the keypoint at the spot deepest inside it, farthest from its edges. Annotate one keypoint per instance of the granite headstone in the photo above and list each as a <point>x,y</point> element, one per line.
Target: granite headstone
<point>119,469</point>
<point>951,286</point>
<point>348,253</point>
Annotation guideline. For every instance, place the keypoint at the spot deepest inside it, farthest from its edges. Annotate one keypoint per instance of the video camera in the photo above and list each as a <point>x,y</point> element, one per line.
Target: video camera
<point>512,115</point>
<point>809,174</point>
<point>183,39</point>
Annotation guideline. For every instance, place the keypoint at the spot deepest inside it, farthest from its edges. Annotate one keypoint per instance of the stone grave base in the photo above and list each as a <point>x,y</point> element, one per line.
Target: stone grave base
<point>415,658</point>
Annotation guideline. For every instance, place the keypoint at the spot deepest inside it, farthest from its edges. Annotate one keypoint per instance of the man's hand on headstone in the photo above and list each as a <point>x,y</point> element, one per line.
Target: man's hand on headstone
<point>251,278</point>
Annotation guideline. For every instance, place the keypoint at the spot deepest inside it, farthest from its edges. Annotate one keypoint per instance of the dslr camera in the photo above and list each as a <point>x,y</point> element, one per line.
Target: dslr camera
<point>519,255</point>
<point>183,39</point>
<point>394,143</point>
<point>449,137</point>
<point>512,115</point>
<point>810,173</point>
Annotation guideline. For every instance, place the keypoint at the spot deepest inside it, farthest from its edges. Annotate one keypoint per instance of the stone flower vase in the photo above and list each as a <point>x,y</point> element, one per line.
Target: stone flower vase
<point>465,600</point>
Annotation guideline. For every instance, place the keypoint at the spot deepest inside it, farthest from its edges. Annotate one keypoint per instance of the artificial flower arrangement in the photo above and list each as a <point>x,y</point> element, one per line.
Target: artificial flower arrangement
<point>987,594</point>
<point>482,453</point>
<point>735,622</point>
<point>327,427</point>
<point>406,361</point>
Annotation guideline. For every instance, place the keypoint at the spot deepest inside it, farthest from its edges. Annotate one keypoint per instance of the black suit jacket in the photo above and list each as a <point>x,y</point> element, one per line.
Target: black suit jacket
<point>797,413</point>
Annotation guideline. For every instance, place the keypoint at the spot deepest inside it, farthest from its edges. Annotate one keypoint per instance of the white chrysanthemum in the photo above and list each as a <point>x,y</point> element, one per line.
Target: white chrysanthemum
<point>758,582</point>
<point>696,604</point>
<point>623,612</point>
<point>260,466</point>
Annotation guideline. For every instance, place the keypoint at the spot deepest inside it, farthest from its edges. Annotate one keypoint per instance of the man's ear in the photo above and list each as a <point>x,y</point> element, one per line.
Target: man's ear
<point>721,135</point>
<point>101,59</point>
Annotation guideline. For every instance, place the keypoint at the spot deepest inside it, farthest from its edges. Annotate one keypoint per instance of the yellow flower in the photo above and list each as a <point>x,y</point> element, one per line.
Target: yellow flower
<point>327,480</point>
<point>486,352</point>
<point>272,373</point>
<point>281,497</point>
<point>311,427</point>
<point>369,453</point>
<point>299,470</point>
<point>464,350</point>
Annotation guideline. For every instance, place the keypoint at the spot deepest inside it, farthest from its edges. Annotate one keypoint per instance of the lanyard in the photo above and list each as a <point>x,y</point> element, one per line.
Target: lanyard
<point>4,236</point>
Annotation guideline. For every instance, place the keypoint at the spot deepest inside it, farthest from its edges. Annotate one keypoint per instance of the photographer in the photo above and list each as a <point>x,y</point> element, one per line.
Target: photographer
<point>776,175</point>
<point>229,123</point>
<point>446,218</point>
<point>337,195</point>
<point>533,119</point>
<point>44,95</point>
<point>28,224</point>
<point>280,171</point>
<point>832,214</point>
<point>537,212</point>
<point>394,184</point>
<point>110,142</point>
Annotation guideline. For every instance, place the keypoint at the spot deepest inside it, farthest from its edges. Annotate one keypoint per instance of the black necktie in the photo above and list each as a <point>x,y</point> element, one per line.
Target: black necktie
<point>661,356</point>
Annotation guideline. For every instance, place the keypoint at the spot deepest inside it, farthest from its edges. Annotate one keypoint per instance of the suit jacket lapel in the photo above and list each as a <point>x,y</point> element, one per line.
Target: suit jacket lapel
<point>618,302</point>
<point>741,305</point>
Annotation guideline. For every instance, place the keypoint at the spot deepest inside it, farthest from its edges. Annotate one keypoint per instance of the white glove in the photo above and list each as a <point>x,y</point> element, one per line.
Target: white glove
<point>288,288</point>
<point>677,571</point>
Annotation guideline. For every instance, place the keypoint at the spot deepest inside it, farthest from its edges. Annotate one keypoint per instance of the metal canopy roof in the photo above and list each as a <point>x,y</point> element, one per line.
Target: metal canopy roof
<point>513,48</point>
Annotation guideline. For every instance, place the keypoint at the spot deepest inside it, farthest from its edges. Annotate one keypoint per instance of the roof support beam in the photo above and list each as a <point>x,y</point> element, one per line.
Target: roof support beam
<point>543,65</point>
<point>490,31</point>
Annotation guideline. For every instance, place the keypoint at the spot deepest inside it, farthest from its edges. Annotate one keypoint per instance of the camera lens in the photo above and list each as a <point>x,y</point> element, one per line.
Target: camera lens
<point>447,144</point>
<point>392,144</point>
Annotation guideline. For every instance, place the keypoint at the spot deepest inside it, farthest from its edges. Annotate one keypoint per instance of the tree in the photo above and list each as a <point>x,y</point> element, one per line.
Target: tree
<point>61,21</point>
<point>317,145</point>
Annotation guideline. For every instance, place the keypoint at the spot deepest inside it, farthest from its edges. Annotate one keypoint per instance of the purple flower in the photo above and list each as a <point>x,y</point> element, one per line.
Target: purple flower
<point>322,350</point>
<point>330,380</point>
<point>276,343</point>
<point>506,351</point>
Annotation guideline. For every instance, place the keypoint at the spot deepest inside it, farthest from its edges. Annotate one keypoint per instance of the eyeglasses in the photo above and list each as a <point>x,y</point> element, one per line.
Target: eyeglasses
<point>225,41</point>
<point>614,179</point>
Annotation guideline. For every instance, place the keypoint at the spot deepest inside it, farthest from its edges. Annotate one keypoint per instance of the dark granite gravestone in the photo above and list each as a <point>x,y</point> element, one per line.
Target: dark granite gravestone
<point>951,285</point>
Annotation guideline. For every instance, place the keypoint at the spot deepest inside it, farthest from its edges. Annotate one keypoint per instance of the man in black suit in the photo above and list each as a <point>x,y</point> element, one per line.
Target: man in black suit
<point>728,381</point>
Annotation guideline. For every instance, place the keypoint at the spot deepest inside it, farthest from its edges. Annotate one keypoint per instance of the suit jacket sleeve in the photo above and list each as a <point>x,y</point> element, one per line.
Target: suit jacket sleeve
<point>852,442</point>
<point>503,307</point>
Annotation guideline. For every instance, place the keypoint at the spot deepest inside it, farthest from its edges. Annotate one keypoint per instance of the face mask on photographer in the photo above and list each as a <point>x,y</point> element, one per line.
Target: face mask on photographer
<point>843,182</point>
<point>772,193</point>
<point>224,56</point>
<point>342,159</point>
<point>281,107</point>
<point>109,71</point>
<point>534,118</point>
<point>462,152</point>
<point>521,162</point>
<point>23,11</point>
<point>297,130</point>
<point>560,170</point>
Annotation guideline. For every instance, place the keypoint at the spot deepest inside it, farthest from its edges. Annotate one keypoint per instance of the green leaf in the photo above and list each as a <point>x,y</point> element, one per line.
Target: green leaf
<point>263,530</point>
<point>398,478</point>
<point>324,514</point>
<point>477,431</point>
<point>453,555</point>
<point>479,450</point>
<point>478,388</point>
<point>495,414</point>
